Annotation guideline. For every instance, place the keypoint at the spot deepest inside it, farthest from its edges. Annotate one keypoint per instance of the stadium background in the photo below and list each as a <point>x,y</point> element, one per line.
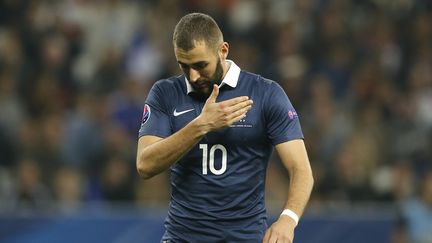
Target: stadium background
<point>73,79</point>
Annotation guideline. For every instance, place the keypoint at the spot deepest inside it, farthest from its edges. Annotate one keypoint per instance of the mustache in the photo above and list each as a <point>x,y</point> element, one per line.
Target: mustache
<point>200,83</point>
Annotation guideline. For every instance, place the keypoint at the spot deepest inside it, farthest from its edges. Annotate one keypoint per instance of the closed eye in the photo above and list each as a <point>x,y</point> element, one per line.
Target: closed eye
<point>196,66</point>
<point>183,66</point>
<point>199,65</point>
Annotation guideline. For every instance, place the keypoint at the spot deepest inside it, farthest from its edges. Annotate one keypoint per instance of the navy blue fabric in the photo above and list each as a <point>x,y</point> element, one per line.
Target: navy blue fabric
<point>228,207</point>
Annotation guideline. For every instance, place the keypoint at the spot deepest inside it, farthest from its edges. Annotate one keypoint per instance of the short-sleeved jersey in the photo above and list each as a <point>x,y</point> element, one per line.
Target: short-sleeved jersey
<point>217,188</point>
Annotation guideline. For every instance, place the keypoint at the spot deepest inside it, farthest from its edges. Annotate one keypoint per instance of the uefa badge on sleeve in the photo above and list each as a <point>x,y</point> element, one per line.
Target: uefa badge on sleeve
<point>292,114</point>
<point>146,114</point>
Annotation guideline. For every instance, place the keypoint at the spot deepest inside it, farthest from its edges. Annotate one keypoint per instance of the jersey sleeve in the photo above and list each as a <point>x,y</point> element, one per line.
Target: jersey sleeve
<point>155,120</point>
<point>282,120</point>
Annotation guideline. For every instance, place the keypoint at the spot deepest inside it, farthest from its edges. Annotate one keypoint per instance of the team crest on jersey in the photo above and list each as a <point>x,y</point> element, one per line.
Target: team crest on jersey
<point>146,114</point>
<point>241,123</point>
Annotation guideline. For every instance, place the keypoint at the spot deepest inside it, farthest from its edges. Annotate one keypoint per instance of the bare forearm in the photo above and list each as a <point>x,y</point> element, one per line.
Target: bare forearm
<point>155,154</point>
<point>301,184</point>
<point>159,156</point>
<point>295,159</point>
<point>294,156</point>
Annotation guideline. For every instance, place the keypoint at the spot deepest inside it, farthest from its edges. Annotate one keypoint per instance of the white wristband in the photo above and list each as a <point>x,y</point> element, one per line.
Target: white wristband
<point>291,214</point>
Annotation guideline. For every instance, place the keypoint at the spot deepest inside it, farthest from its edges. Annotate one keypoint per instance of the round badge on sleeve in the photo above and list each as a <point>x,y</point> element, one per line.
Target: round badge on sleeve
<point>146,114</point>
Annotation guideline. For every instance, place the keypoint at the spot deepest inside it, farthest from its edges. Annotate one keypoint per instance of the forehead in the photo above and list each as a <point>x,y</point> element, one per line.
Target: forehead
<point>201,52</point>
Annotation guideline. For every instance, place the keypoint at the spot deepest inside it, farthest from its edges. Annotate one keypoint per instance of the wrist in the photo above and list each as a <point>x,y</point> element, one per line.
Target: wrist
<point>291,214</point>
<point>201,126</point>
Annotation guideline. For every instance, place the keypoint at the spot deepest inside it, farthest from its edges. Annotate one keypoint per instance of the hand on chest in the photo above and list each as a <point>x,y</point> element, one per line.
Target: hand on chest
<point>247,129</point>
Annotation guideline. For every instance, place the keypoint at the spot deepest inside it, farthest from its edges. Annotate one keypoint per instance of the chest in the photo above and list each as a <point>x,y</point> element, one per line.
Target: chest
<point>250,129</point>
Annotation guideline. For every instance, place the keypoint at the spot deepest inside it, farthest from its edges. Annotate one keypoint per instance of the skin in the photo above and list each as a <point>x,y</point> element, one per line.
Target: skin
<point>198,66</point>
<point>294,157</point>
<point>205,67</point>
<point>154,154</point>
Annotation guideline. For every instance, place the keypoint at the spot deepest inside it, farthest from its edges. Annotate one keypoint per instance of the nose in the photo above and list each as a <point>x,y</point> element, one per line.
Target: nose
<point>194,75</point>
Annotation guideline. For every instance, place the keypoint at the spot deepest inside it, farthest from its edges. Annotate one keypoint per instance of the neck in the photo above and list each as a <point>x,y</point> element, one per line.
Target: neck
<point>225,67</point>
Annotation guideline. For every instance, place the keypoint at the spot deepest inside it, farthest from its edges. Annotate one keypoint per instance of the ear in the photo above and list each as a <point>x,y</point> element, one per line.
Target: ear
<point>224,50</point>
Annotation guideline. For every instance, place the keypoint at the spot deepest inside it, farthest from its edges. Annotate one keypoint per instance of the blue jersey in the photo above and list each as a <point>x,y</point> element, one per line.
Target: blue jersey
<point>217,188</point>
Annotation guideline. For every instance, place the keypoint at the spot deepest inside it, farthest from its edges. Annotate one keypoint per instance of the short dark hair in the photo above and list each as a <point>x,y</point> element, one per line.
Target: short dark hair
<point>196,27</point>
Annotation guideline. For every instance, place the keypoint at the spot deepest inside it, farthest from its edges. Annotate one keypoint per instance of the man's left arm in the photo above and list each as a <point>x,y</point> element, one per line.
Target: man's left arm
<point>295,159</point>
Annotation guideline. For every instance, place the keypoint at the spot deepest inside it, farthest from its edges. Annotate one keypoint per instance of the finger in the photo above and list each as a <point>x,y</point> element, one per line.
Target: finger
<point>266,236</point>
<point>240,106</point>
<point>214,94</point>
<point>234,101</point>
<point>273,238</point>
<point>239,114</point>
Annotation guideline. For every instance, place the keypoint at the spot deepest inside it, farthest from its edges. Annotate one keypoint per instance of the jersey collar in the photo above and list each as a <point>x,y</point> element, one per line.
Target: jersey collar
<point>231,77</point>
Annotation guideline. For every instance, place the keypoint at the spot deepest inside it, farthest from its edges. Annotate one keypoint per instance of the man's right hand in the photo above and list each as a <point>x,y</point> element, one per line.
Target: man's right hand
<point>219,115</point>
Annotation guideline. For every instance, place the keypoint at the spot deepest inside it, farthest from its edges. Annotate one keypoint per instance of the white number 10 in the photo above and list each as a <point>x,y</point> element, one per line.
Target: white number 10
<point>211,165</point>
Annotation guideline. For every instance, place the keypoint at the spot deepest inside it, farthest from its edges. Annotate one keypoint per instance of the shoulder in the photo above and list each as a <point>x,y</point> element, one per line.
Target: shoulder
<point>164,88</point>
<point>169,82</point>
<point>267,87</point>
<point>169,85</point>
<point>256,79</point>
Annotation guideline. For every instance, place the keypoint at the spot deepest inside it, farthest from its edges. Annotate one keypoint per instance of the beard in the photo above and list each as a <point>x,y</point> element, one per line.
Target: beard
<point>204,87</point>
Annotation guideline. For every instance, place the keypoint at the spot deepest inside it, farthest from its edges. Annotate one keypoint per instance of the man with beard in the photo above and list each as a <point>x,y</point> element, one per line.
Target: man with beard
<point>215,128</point>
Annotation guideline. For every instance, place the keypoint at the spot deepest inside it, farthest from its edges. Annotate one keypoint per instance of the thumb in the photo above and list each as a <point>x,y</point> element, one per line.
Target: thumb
<point>214,94</point>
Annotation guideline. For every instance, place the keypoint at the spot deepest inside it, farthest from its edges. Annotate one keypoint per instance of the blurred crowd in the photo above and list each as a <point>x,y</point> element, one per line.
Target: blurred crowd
<point>74,75</point>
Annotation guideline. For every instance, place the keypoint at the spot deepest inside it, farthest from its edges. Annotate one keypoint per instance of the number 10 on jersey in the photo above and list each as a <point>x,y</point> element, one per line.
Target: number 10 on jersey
<point>208,159</point>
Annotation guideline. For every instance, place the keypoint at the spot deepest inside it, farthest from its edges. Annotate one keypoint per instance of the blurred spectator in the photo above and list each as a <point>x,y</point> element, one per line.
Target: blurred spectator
<point>11,106</point>
<point>117,180</point>
<point>126,105</point>
<point>326,123</point>
<point>399,233</point>
<point>393,182</point>
<point>153,192</point>
<point>68,189</point>
<point>74,75</point>
<point>83,140</point>
<point>27,191</point>
<point>418,212</point>
<point>106,25</point>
